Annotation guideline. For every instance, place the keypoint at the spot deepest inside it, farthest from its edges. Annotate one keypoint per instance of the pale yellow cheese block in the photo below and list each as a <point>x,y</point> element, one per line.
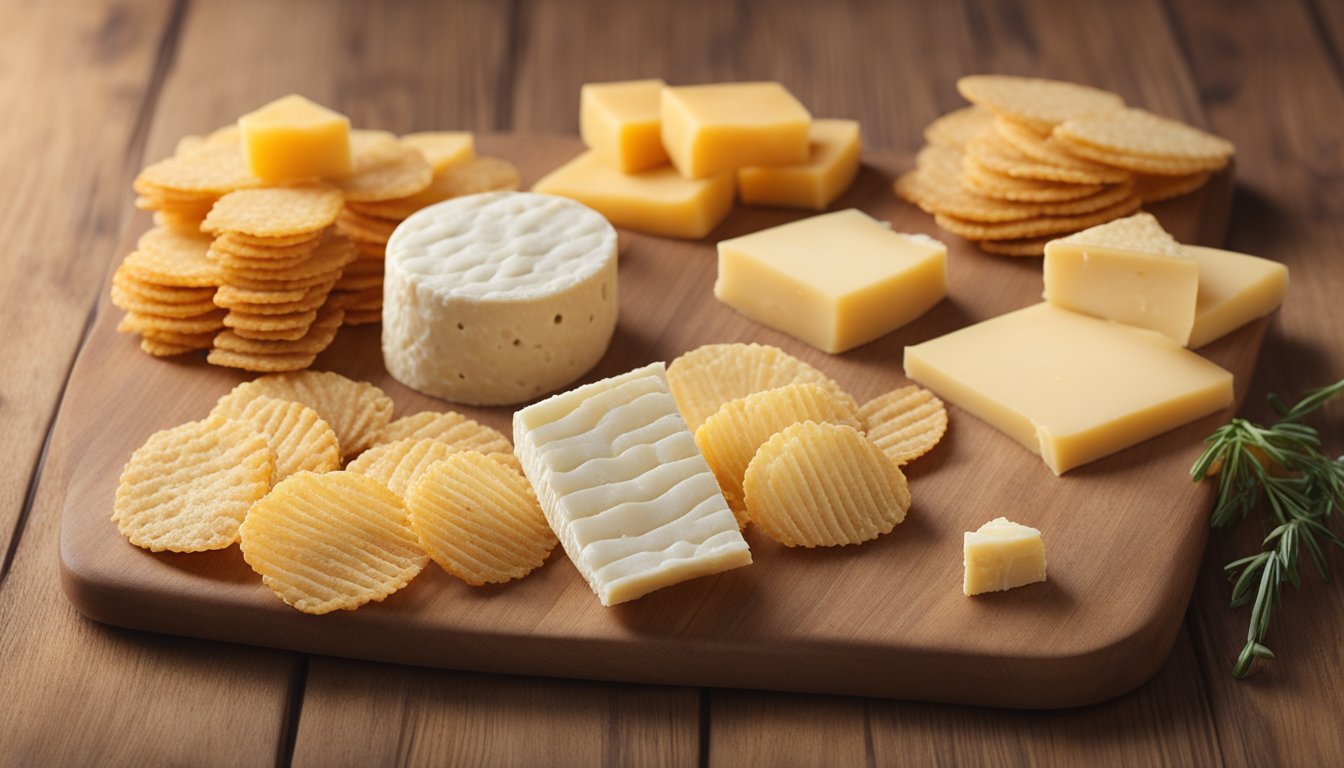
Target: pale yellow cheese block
<point>835,281</point>
<point>1234,289</point>
<point>622,123</point>
<point>1069,387</point>
<point>658,202</point>
<point>830,169</point>
<point>709,129</point>
<point>292,138</point>
<point>1001,555</point>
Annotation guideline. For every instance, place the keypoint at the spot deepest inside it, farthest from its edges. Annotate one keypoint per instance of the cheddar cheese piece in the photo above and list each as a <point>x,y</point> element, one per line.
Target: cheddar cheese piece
<point>1069,387</point>
<point>624,487</point>
<point>621,123</point>
<point>658,202</point>
<point>835,281</point>
<point>1001,555</point>
<point>709,129</point>
<point>293,138</point>
<point>1234,289</point>
<point>830,169</point>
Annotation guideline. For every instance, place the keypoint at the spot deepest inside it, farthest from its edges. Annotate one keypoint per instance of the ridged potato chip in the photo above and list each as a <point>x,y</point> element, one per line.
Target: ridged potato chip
<point>260,363</point>
<point>905,423</point>
<point>450,428</point>
<point>301,440</point>
<point>356,410</point>
<point>400,464</point>
<point>705,378</point>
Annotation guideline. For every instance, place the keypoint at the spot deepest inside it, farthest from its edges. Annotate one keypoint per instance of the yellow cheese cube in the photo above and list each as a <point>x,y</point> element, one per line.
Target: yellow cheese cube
<point>708,129</point>
<point>442,149</point>
<point>1069,387</point>
<point>1234,289</point>
<point>1001,555</point>
<point>659,202</point>
<point>1130,271</point>
<point>292,138</point>
<point>835,281</point>
<point>622,123</point>
<point>828,172</point>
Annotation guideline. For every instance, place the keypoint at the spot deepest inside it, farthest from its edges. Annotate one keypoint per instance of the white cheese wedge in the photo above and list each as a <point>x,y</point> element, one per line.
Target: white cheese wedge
<point>498,298</point>
<point>1001,555</point>
<point>625,488</point>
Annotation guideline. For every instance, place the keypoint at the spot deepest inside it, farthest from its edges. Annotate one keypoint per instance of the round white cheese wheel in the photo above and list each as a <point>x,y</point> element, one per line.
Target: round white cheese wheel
<point>498,298</point>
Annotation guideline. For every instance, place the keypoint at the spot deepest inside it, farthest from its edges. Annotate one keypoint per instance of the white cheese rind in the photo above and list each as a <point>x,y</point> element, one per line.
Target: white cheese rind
<point>625,488</point>
<point>498,298</point>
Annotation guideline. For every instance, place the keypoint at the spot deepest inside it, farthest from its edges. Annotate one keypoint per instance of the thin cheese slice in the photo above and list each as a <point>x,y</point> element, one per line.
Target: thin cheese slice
<point>624,487</point>
<point>1234,289</point>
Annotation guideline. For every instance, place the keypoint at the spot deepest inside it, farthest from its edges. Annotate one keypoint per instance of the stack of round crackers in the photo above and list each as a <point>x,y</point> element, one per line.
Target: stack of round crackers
<point>1036,159</point>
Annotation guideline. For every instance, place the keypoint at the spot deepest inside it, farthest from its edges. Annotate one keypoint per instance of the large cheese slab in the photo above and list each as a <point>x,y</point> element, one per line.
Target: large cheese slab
<point>625,488</point>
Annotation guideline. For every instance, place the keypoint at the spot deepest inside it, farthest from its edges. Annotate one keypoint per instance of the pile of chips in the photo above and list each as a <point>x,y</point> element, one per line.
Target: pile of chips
<point>793,453</point>
<point>263,277</point>
<point>1037,159</point>
<point>264,470</point>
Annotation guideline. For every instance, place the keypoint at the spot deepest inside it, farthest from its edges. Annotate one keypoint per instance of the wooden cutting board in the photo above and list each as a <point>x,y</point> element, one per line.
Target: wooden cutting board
<point>1123,536</point>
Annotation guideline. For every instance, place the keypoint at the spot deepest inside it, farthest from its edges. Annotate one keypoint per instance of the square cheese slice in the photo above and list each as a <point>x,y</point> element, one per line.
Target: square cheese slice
<point>1001,555</point>
<point>1234,289</point>
<point>1128,270</point>
<point>625,488</point>
<point>709,129</point>
<point>835,281</point>
<point>831,166</point>
<point>292,138</point>
<point>622,123</point>
<point>658,202</point>
<point>1070,387</point>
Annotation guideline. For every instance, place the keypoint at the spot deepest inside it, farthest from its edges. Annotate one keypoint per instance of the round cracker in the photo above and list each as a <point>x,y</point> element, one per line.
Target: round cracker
<point>398,465</point>
<point>385,171</point>
<point>170,257</point>
<point>356,410</point>
<point>259,363</point>
<point>1042,225</point>
<point>992,152</point>
<point>1155,166</point>
<point>301,440</point>
<point>905,423</point>
<point>479,174</point>
<point>705,378</point>
<point>1138,132</point>
<point>135,322</point>
<point>954,129</point>
<point>159,348</point>
<point>983,181</point>
<point>276,211</point>
<point>124,299</point>
<point>160,294</point>
<point>212,170</point>
<point>1036,102</point>
<point>241,320</point>
<point>318,337</point>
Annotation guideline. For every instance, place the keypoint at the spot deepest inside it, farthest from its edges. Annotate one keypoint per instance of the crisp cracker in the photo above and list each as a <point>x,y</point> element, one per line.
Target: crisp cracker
<point>327,259</point>
<point>316,339</point>
<point>232,244</point>
<point>301,440</point>
<point>480,174</point>
<point>705,378</point>
<point>990,151</point>
<point>230,295</point>
<point>954,129</point>
<point>356,410</point>
<point>362,228</point>
<point>213,170</point>
<point>385,171</point>
<point>314,298</point>
<point>1140,232</point>
<point>124,299</point>
<point>272,212</point>
<point>157,348</point>
<point>905,423</point>
<point>448,427</point>
<point>171,258</point>
<point>1140,133</point>
<point>264,363</point>
<point>983,181</point>
<point>1043,225</point>
<point>135,322</point>
<point>1039,103</point>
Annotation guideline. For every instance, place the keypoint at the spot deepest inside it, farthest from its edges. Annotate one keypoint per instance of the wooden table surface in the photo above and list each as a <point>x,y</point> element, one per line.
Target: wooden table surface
<point>94,89</point>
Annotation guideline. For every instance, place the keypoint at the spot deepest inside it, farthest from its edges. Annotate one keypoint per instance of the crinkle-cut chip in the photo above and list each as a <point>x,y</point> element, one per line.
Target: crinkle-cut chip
<point>128,301</point>
<point>228,295</point>
<point>212,169</point>
<point>266,363</point>
<point>299,285</point>
<point>1138,132</point>
<point>730,437</point>
<point>356,410</point>
<point>448,427</point>
<point>400,464</point>
<point>954,129</point>
<point>159,348</point>
<point>1041,225</point>
<point>705,378</point>
<point>331,541</point>
<point>282,334</point>
<point>363,228</point>
<point>193,340</point>
<point>1155,189</point>
<point>1155,166</point>
<point>824,485</point>
<point>276,266</point>
<point>992,152</point>
<point>230,243</point>
<point>276,211</point>
<point>237,320</point>
<point>170,258</point>
<point>509,460</point>
<point>187,488</point>
<point>301,440</point>
<point>313,299</point>
<point>479,520</point>
<point>364,317</point>
<point>135,322</point>
<point>385,172</point>
<point>160,294</point>
<point>1140,232</point>
<point>983,181</point>
<point>905,423</point>
<point>328,257</point>
<point>480,174</point>
<point>318,337</point>
<point>442,149</point>
<point>1041,104</point>
<point>1027,246</point>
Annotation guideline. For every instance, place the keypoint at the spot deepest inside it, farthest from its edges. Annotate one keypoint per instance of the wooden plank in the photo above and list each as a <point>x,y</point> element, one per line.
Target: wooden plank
<point>1283,113</point>
<point>772,729</point>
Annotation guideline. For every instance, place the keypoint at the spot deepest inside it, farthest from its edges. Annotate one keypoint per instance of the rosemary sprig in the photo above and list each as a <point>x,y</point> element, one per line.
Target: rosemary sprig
<point>1280,468</point>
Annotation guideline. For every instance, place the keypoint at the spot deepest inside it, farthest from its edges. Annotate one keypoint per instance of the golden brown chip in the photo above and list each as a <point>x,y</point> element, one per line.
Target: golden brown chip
<point>130,302</point>
<point>326,261</point>
<point>356,410</point>
<point>159,348</point>
<point>333,541</point>
<point>385,171</point>
<point>983,181</point>
<point>480,174</point>
<point>479,520</point>
<point>364,299</point>
<point>705,378</point>
<point>279,241</point>
<point>241,321</point>
<point>276,211</point>
<point>509,460</point>
<point>212,170</point>
<point>188,488</point>
<point>1140,136</point>
<point>905,423</point>
<point>150,292</point>
<point>363,228</point>
<point>193,340</point>
<point>954,129</point>
<point>1041,225</point>
<point>442,149</point>
<point>230,243</point>
<point>398,465</point>
<point>284,334</point>
<point>1153,166</point>
<point>1041,104</point>
<point>992,152</point>
<point>730,437</point>
<point>448,427</point>
<point>260,363</point>
<point>824,485</point>
<point>301,440</point>
<point>229,295</point>
<point>135,322</point>
<point>318,337</point>
<point>313,299</point>
<point>169,257</point>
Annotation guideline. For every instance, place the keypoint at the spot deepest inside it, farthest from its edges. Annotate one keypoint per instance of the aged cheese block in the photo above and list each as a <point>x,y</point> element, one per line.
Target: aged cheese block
<point>1001,555</point>
<point>709,129</point>
<point>1234,289</point>
<point>1070,387</point>
<point>828,172</point>
<point>621,123</point>
<point>498,298</point>
<point>293,138</point>
<point>624,487</point>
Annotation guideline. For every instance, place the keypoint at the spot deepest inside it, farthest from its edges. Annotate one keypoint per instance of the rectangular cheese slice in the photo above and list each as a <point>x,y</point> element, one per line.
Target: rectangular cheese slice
<point>658,202</point>
<point>831,166</point>
<point>292,138</point>
<point>1069,387</point>
<point>835,281</point>
<point>625,488</point>
<point>709,129</point>
<point>1234,289</point>
<point>1001,555</point>
<point>1128,270</point>
<point>622,123</point>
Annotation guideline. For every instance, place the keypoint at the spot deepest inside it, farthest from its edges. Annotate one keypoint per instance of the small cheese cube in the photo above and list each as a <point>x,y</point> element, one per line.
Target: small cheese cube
<point>293,138</point>
<point>1001,555</point>
<point>659,202</point>
<point>1128,270</point>
<point>1234,289</point>
<point>835,281</point>
<point>708,129</point>
<point>828,172</point>
<point>621,122</point>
